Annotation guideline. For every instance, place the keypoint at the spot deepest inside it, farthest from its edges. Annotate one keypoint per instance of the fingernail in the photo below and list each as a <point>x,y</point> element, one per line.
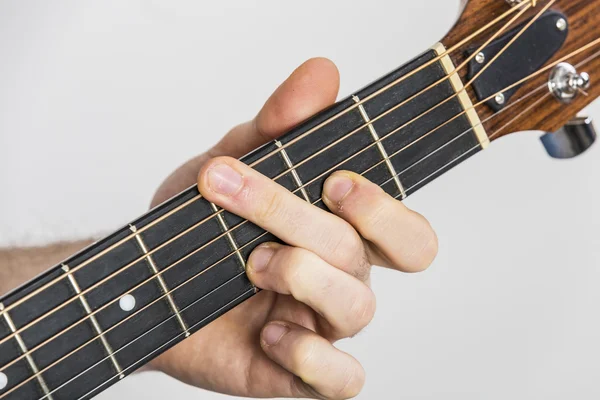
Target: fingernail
<point>337,188</point>
<point>224,180</point>
<point>260,257</point>
<point>273,333</point>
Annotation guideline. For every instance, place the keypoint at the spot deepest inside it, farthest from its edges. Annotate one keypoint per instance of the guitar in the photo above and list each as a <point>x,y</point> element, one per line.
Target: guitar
<point>98,316</point>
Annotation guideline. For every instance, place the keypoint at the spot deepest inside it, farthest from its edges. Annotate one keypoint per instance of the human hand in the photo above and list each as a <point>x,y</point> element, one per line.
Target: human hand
<point>280,343</point>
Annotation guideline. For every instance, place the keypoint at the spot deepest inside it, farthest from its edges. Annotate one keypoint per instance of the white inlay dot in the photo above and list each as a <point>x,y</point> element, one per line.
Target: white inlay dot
<point>3,380</point>
<point>127,303</point>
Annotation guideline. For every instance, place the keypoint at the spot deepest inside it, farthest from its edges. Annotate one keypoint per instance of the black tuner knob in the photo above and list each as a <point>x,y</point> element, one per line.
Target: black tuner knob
<point>571,140</point>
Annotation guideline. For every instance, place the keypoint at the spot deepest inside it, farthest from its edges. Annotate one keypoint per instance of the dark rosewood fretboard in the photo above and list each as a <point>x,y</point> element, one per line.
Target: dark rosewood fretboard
<point>183,267</point>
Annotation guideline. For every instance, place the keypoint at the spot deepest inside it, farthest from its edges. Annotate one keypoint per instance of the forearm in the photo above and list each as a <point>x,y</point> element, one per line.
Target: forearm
<point>18,265</point>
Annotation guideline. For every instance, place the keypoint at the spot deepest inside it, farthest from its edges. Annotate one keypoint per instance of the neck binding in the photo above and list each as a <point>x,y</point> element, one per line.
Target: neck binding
<point>72,337</point>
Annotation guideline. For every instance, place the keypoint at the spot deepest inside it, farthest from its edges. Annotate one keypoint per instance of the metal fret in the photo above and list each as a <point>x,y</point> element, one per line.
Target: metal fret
<point>161,281</point>
<point>25,351</point>
<point>93,320</point>
<point>290,166</point>
<point>380,147</point>
<point>229,235</point>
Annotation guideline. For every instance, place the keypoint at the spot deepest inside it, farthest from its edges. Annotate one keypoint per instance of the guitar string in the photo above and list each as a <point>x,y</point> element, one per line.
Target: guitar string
<point>233,228</point>
<point>135,261</point>
<point>340,140</point>
<point>475,147</point>
<point>149,354</point>
<point>458,158</point>
<point>331,119</point>
<point>134,365</point>
<point>389,180</point>
<point>183,283</point>
<point>171,317</point>
<point>248,292</point>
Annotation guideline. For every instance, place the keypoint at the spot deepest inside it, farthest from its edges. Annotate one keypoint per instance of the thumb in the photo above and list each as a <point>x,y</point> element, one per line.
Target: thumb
<point>310,88</point>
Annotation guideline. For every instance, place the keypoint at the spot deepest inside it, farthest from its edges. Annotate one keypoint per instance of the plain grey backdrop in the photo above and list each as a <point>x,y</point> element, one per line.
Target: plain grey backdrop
<point>100,100</point>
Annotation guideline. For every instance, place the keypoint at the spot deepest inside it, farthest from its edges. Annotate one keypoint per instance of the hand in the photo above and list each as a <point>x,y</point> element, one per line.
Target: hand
<point>280,342</point>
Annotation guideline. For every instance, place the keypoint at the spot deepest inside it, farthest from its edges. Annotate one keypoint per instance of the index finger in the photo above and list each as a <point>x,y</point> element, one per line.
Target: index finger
<point>240,189</point>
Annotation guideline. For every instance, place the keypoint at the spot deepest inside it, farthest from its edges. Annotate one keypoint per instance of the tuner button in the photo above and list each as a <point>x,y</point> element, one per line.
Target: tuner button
<point>566,82</point>
<point>571,140</point>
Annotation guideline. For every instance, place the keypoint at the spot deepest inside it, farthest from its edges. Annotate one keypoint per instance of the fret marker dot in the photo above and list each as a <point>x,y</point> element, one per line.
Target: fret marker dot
<point>3,380</point>
<point>127,303</point>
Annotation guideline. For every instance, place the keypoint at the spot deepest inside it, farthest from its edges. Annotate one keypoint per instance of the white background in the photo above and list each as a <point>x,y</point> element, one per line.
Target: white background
<point>99,101</point>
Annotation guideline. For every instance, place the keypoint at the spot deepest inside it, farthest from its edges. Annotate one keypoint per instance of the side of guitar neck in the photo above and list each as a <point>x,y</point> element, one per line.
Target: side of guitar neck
<point>183,266</point>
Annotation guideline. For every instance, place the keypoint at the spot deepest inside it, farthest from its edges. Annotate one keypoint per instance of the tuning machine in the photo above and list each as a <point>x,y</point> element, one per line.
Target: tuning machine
<point>571,140</point>
<point>566,83</point>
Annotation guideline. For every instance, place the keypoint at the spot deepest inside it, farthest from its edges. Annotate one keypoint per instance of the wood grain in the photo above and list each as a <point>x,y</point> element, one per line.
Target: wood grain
<point>540,111</point>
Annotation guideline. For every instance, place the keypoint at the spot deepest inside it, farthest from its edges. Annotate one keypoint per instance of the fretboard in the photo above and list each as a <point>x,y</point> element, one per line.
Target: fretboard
<point>106,311</point>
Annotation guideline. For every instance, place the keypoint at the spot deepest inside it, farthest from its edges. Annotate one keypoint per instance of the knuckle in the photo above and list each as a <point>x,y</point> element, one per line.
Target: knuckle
<point>350,384</point>
<point>305,359</point>
<point>294,258</point>
<point>431,248</point>
<point>377,220</point>
<point>343,246</point>
<point>362,309</point>
<point>426,251</point>
<point>270,209</point>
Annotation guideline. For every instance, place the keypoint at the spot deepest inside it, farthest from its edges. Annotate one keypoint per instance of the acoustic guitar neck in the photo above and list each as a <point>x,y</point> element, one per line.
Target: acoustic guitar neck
<point>97,317</point>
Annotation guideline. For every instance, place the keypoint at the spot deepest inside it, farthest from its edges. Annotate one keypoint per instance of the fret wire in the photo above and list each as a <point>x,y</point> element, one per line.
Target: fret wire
<point>410,188</point>
<point>93,319</point>
<point>452,161</point>
<point>574,53</point>
<point>232,242</point>
<point>161,281</point>
<point>190,201</point>
<point>429,63</point>
<point>262,235</point>
<point>134,365</point>
<point>380,147</point>
<point>476,105</point>
<point>395,107</point>
<point>515,103</point>
<point>27,354</point>
<point>535,104</point>
<point>382,90</point>
<point>290,166</point>
<point>418,183</point>
<point>122,347</point>
<point>434,173</point>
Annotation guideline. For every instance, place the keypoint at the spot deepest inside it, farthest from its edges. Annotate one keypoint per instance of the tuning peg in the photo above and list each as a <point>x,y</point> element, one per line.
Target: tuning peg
<point>571,140</point>
<point>566,82</point>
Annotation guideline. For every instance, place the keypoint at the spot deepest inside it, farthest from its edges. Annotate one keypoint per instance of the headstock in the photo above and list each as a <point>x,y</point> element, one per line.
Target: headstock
<point>553,94</point>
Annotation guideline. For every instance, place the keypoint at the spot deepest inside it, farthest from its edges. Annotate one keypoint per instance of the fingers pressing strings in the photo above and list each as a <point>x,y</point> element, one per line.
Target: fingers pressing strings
<point>577,52</point>
<point>75,298</point>
<point>190,201</point>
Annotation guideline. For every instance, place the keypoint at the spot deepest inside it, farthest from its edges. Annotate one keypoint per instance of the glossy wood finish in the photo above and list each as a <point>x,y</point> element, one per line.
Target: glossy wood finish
<point>540,111</point>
